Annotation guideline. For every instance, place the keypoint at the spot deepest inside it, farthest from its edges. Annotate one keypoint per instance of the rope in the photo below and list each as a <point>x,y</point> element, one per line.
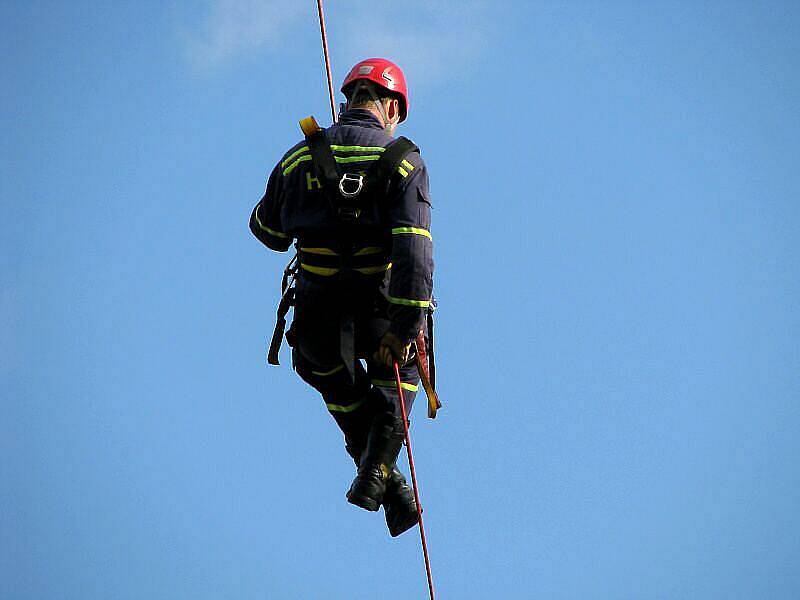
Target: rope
<point>414,479</point>
<point>327,58</point>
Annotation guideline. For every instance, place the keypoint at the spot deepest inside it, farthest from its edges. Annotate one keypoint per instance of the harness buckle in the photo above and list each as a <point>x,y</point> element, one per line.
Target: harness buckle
<point>349,213</point>
<point>347,182</point>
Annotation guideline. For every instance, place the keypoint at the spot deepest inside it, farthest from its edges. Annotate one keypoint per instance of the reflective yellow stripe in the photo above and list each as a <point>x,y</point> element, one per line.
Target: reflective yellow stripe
<point>298,156</point>
<point>369,250</point>
<point>385,383</point>
<point>407,302</point>
<point>357,148</point>
<point>331,372</point>
<point>413,230</point>
<point>349,159</point>
<point>294,155</point>
<point>326,271</point>
<point>345,409</point>
<point>263,227</point>
<point>408,168</point>
<point>335,148</point>
<point>291,167</point>
<point>323,251</point>
<point>373,270</point>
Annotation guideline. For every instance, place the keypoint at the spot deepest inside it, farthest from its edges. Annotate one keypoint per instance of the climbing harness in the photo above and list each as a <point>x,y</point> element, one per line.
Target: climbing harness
<point>348,192</point>
<point>399,385</point>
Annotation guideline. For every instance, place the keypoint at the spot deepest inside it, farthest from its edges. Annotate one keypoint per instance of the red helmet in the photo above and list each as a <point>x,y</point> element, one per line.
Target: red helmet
<point>384,73</point>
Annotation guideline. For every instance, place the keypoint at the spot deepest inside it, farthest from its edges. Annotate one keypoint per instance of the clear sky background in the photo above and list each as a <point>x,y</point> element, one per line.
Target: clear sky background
<point>617,235</point>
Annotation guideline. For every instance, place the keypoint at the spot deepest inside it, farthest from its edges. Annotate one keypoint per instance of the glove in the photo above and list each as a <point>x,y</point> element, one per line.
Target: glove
<point>391,348</point>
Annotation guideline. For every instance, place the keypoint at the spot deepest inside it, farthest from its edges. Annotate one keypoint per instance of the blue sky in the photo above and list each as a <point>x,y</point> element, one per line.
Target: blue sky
<point>616,229</point>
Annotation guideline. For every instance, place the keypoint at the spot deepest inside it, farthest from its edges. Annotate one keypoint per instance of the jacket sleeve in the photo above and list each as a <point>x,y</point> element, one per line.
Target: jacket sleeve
<point>411,281</point>
<point>265,220</point>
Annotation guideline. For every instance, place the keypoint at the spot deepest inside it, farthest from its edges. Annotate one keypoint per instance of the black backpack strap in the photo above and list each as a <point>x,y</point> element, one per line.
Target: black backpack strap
<point>394,154</point>
<point>342,189</point>
<point>324,162</point>
<point>347,192</point>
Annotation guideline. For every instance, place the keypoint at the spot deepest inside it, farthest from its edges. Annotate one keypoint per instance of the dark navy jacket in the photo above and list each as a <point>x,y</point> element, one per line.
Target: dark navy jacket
<point>388,248</point>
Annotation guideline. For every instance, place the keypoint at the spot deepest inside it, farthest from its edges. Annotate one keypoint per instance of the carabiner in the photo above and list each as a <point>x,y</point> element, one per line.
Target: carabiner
<point>351,178</point>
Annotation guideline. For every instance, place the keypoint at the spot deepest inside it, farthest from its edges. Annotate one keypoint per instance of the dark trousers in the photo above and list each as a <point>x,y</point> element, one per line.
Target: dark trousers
<point>353,402</point>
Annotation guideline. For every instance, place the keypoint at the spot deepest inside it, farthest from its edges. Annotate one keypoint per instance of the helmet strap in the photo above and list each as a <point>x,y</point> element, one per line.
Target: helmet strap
<point>362,85</point>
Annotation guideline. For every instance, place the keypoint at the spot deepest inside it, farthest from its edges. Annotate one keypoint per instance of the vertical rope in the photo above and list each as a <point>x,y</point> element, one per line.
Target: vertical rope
<point>327,57</point>
<point>398,382</point>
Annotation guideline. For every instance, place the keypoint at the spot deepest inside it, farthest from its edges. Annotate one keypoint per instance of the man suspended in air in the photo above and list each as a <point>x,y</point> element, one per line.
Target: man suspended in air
<point>356,204</point>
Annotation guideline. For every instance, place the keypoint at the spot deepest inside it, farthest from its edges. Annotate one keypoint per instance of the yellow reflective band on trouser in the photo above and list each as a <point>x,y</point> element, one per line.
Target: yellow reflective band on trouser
<point>326,271</point>
<point>369,250</point>
<point>322,251</point>
<point>373,270</point>
<point>412,230</point>
<point>345,409</point>
<point>263,227</point>
<point>407,302</point>
<point>385,383</point>
<point>333,371</point>
<point>291,167</point>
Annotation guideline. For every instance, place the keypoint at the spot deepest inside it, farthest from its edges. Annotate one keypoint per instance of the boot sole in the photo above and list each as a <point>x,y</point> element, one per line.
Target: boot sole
<point>364,502</point>
<point>398,526</point>
<point>405,526</point>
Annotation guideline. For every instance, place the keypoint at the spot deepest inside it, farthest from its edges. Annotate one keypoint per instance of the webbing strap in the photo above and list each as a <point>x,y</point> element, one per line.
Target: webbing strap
<point>423,368</point>
<point>324,162</point>
<point>287,301</point>
<point>347,344</point>
<point>396,151</point>
<point>431,354</point>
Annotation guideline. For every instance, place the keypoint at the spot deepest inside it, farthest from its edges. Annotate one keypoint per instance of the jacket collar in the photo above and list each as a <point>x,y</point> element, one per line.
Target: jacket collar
<point>360,117</point>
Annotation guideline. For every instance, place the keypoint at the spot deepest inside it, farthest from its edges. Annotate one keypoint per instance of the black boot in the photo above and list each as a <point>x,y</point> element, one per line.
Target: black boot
<point>399,505</point>
<point>398,500</point>
<point>377,461</point>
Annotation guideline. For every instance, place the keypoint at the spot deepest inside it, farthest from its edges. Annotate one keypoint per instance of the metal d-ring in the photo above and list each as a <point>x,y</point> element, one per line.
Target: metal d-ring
<point>351,178</point>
